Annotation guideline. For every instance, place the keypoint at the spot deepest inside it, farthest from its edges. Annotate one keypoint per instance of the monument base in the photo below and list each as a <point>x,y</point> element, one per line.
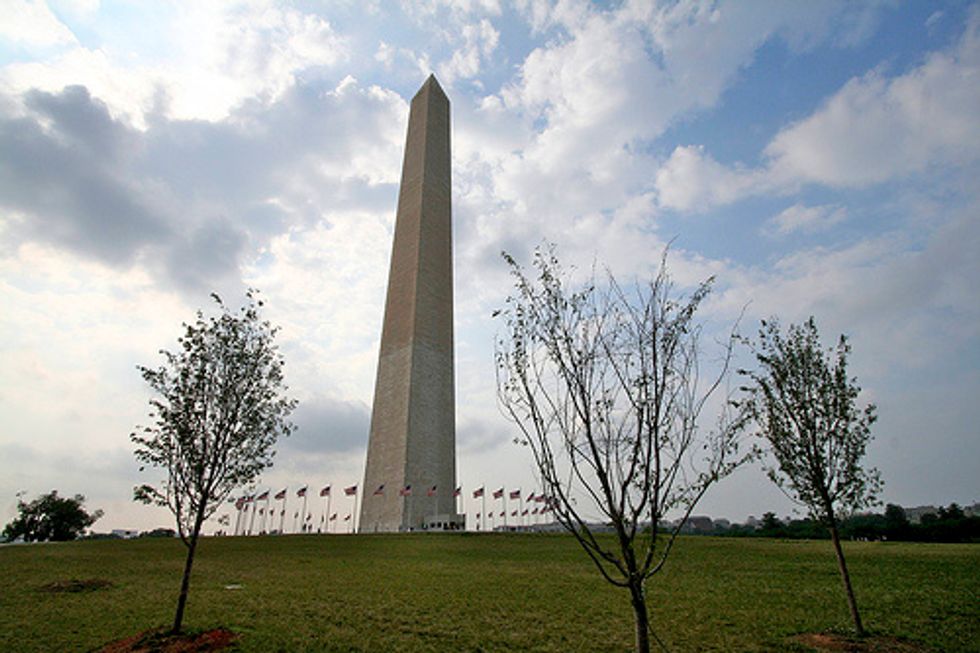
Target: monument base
<point>447,522</point>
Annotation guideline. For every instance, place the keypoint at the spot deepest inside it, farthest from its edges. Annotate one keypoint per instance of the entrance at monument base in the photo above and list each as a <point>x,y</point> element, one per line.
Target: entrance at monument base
<point>446,522</point>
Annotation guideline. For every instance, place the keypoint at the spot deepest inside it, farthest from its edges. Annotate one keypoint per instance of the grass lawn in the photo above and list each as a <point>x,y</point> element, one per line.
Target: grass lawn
<point>483,593</point>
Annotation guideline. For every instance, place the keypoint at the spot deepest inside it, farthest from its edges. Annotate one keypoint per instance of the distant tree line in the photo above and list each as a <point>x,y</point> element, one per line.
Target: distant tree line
<point>949,524</point>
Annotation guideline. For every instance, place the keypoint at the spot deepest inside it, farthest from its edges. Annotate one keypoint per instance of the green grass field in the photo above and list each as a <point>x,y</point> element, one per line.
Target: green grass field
<point>483,593</point>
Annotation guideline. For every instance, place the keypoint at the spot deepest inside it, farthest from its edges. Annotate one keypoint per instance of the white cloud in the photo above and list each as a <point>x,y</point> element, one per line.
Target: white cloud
<point>31,23</point>
<point>808,219</point>
<point>613,80</point>
<point>690,180</point>
<point>77,7</point>
<point>908,300</point>
<point>875,128</point>
<point>479,42</point>
<point>457,8</point>
<point>220,55</point>
<point>229,53</point>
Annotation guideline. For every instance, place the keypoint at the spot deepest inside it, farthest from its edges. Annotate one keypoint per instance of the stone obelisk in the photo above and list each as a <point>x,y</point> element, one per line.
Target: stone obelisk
<point>410,475</point>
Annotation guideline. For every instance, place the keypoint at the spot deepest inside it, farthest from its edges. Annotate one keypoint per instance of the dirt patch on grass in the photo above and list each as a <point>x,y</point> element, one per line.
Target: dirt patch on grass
<point>156,641</point>
<point>75,585</point>
<point>836,643</point>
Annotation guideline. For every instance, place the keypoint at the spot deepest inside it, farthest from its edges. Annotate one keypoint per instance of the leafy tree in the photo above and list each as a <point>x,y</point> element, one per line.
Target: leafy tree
<point>954,512</point>
<point>50,517</point>
<point>806,408</point>
<point>606,389</point>
<point>896,521</point>
<point>218,410</point>
<point>770,523</point>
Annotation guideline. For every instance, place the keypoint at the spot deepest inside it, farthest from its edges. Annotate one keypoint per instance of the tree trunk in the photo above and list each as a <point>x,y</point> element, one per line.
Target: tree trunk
<point>851,602</point>
<point>640,615</point>
<point>185,583</point>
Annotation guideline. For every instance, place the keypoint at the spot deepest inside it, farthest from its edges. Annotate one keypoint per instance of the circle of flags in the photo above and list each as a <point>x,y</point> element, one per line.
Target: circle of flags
<point>256,516</point>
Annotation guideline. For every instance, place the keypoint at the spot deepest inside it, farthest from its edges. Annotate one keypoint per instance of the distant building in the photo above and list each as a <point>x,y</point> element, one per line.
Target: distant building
<point>698,524</point>
<point>914,515</point>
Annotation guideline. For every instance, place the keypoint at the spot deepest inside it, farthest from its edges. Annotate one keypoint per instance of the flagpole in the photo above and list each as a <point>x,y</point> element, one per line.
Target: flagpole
<point>267,496</point>
<point>304,511</point>
<point>484,514</point>
<point>353,519</point>
<point>251,523</point>
<point>326,517</point>
<point>282,517</point>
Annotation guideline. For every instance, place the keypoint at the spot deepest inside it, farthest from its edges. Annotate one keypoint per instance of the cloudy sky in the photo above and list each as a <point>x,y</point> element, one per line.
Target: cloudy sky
<point>818,158</point>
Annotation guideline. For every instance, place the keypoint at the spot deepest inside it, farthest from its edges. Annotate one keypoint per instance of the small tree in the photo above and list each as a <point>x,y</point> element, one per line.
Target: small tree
<point>218,411</point>
<point>50,517</point>
<point>806,408</point>
<point>605,388</point>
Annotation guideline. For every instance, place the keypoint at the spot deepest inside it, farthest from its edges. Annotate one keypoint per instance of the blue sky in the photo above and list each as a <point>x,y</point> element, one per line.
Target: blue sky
<point>817,158</point>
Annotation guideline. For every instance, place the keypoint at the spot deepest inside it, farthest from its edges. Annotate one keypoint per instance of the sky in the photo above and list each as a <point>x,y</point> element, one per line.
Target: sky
<point>816,158</point>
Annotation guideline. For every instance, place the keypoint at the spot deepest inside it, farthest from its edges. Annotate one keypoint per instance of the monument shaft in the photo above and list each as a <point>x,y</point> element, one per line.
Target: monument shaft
<point>410,473</point>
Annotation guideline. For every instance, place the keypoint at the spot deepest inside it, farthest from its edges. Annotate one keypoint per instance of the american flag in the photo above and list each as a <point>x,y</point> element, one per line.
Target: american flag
<point>458,492</point>
<point>347,518</point>
<point>534,512</point>
<point>264,496</point>
<point>431,492</point>
<point>516,494</point>
<point>539,498</point>
<point>333,517</point>
<point>478,493</point>
<point>524,514</point>
<point>281,494</point>
<point>530,497</point>
<point>503,513</point>
<point>380,490</point>
<point>325,492</point>
<point>301,492</point>
<point>405,491</point>
<point>350,491</point>
<point>513,514</point>
<point>498,493</point>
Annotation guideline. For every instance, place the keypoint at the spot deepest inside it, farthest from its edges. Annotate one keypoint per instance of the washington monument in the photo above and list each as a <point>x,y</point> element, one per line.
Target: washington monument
<point>410,476</point>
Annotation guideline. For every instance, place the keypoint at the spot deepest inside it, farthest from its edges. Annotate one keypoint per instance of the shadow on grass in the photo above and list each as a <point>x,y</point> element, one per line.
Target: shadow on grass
<point>162,640</point>
<point>838,643</point>
<point>74,585</point>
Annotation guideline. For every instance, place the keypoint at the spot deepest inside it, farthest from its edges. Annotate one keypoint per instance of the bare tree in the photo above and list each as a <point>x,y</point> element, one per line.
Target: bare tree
<point>218,413</point>
<point>606,389</point>
<point>806,408</point>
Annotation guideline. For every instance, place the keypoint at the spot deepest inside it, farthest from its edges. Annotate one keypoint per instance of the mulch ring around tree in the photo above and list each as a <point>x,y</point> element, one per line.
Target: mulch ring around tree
<point>162,641</point>
<point>75,585</point>
<point>837,643</point>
